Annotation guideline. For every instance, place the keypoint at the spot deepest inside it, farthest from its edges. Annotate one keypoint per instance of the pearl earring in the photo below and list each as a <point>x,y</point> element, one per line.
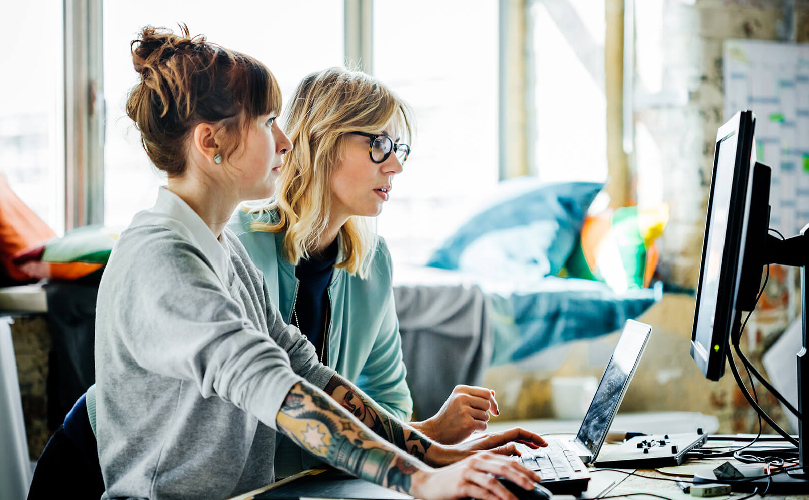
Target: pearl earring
<point>217,158</point>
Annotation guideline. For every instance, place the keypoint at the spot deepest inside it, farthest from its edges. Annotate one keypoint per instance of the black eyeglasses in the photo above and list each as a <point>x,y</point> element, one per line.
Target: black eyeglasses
<point>382,146</point>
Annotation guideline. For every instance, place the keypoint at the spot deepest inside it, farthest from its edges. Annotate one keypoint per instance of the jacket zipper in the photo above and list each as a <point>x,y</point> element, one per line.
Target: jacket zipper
<point>324,353</point>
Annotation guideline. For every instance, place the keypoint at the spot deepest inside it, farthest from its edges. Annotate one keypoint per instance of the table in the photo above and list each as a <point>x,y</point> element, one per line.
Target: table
<point>619,482</point>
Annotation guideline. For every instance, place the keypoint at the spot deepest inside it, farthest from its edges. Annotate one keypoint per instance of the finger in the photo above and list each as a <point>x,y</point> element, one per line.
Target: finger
<point>472,490</point>
<point>479,415</point>
<point>520,434</point>
<point>495,407</point>
<point>493,486</point>
<point>479,392</point>
<point>509,449</point>
<point>475,402</point>
<point>511,469</point>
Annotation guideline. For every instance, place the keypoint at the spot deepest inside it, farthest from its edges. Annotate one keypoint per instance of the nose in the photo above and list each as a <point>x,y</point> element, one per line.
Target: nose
<point>282,143</point>
<point>392,165</point>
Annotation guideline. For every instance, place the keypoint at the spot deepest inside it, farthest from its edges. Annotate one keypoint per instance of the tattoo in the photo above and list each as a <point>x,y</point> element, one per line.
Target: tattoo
<point>399,475</point>
<point>376,418</point>
<point>319,425</point>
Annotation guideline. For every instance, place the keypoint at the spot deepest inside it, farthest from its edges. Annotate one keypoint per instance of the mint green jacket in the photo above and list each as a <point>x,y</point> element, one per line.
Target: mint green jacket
<point>363,342</point>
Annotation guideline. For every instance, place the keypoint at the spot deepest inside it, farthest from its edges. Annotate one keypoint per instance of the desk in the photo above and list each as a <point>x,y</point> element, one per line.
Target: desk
<point>612,483</point>
<point>607,482</point>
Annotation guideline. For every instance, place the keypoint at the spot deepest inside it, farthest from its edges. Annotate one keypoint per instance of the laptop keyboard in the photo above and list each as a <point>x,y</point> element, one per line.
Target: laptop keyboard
<point>560,468</point>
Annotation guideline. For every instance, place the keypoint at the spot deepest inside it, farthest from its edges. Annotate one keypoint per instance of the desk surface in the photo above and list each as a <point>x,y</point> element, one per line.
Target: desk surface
<point>612,483</point>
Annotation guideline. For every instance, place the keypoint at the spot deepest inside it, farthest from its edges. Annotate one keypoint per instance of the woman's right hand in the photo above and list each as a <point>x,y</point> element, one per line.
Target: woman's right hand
<point>473,477</point>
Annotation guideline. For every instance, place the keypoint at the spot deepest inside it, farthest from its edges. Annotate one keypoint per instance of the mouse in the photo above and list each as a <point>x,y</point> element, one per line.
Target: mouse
<point>538,493</point>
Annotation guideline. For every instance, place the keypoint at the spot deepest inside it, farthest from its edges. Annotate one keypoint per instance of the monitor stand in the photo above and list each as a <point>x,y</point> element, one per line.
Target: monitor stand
<point>791,252</point>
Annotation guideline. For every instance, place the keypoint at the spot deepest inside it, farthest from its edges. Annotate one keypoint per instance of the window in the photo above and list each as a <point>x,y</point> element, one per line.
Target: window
<point>447,70</point>
<point>567,126</point>
<point>292,38</point>
<point>31,107</point>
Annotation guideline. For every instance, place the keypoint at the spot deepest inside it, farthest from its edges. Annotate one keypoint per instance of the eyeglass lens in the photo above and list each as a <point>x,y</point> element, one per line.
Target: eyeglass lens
<point>381,147</point>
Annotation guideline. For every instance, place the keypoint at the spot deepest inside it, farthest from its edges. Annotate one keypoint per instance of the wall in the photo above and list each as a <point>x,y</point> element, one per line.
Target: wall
<point>676,121</point>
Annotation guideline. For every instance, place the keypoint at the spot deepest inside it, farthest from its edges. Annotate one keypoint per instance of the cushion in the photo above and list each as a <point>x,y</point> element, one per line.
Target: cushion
<point>75,255</point>
<point>617,247</point>
<point>20,228</point>
<point>526,224</point>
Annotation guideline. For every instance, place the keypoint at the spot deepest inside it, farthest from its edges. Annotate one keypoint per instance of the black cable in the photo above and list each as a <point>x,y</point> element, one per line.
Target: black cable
<point>755,406</point>
<point>751,495</point>
<point>636,494</point>
<point>749,365</point>
<point>766,384</point>
<point>631,473</point>
<point>738,378</point>
<point>736,453</point>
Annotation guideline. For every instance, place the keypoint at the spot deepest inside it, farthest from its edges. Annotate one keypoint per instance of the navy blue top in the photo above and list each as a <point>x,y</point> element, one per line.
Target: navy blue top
<point>312,302</point>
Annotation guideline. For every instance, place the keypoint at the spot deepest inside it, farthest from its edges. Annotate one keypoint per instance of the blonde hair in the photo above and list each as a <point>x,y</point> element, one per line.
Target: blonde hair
<point>327,105</point>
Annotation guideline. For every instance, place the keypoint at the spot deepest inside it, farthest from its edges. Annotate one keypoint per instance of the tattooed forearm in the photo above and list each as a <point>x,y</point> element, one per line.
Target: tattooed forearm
<point>320,426</point>
<point>376,418</point>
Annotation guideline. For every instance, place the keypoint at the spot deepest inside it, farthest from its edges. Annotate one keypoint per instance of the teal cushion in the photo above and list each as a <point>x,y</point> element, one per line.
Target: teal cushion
<point>525,226</point>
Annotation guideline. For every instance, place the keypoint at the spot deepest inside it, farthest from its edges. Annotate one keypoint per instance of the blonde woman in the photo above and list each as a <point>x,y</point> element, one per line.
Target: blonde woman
<point>326,269</point>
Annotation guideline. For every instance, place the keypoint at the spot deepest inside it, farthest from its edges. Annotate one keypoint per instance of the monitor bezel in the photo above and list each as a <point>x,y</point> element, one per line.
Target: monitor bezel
<point>711,359</point>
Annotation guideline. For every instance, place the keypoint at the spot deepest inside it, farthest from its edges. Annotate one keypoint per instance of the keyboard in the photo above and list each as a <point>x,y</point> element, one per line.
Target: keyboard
<point>559,467</point>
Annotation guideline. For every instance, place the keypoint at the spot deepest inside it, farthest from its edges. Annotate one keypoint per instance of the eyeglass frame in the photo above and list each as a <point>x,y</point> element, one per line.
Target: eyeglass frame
<point>393,149</point>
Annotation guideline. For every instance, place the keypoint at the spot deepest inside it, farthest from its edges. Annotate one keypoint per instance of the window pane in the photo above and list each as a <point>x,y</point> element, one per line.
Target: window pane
<point>569,118</point>
<point>450,80</point>
<point>31,107</point>
<point>292,38</point>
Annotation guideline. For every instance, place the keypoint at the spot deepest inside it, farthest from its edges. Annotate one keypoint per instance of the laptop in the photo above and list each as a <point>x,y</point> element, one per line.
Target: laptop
<point>562,464</point>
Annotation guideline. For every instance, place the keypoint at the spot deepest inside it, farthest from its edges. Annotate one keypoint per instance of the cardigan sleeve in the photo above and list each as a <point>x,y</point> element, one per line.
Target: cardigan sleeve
<point>383,376</point>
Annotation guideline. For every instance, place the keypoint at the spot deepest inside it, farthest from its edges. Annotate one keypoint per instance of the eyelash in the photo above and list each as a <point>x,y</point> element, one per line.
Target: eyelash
<point>271,121</point>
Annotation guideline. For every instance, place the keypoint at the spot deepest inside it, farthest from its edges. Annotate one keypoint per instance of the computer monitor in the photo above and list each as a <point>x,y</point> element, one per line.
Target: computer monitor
<point>736,247</point>
<point>733,245</point>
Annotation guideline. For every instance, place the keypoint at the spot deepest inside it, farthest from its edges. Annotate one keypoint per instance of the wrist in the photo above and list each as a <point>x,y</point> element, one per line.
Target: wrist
<point>439,455</point>
<point>425,427</point>
<point>418,482</point>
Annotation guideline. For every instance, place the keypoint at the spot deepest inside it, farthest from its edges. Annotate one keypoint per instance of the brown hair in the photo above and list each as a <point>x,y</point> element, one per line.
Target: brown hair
<point>186,81</point>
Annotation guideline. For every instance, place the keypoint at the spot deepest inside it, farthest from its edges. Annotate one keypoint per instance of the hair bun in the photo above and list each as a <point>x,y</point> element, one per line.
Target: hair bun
<point>155,45</point>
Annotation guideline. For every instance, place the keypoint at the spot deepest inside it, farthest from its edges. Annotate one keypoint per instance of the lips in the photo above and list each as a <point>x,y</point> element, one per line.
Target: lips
<point>383,192</point>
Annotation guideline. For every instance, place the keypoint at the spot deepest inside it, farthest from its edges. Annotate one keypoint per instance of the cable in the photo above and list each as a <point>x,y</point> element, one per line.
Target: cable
<point>776,232</point>
<point>764,382</point>
<point>738,378</point>
<point>751,495</point>
<point>755,406</point>
<point>630,473</point>
<point>635,495</point>
<point>736,453</point>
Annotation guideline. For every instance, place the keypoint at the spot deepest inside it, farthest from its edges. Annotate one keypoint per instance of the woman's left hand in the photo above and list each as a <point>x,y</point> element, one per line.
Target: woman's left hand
<point>504,442</point>
<point>501,443</point>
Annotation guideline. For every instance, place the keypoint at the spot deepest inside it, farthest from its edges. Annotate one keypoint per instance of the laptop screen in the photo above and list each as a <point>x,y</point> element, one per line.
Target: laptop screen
<point>613,385</point>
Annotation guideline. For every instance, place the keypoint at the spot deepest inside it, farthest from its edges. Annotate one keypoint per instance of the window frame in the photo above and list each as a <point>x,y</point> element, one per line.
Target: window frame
<point>85,113</point>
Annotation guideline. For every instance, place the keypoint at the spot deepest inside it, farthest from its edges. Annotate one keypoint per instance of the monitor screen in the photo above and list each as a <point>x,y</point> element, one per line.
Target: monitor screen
<point>735,231</point>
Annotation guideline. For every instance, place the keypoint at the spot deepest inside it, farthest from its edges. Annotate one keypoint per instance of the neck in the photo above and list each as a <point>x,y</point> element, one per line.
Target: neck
<point>330,234</point>
<point>213,205</point>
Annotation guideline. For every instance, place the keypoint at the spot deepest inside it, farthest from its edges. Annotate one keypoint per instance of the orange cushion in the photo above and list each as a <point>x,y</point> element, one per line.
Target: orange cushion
<point>20,228</point>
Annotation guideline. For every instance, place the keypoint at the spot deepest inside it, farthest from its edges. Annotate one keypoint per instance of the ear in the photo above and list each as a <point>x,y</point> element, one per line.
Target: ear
<point>204,140</point>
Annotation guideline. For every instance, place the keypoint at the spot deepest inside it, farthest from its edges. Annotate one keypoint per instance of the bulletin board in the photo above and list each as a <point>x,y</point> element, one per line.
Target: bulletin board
<point>772,80</point>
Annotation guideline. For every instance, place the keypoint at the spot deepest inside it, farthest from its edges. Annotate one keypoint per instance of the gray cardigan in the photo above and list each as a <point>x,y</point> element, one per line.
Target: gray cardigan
<point>193,362</point>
